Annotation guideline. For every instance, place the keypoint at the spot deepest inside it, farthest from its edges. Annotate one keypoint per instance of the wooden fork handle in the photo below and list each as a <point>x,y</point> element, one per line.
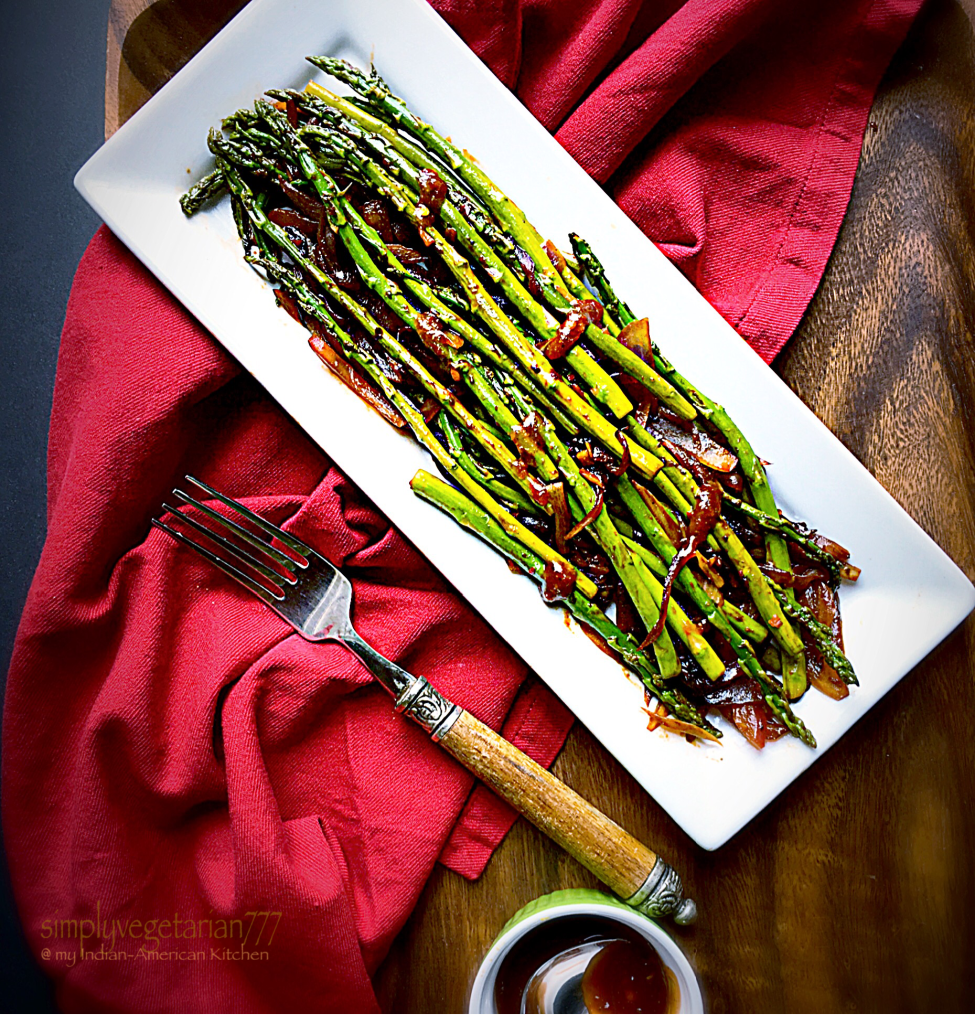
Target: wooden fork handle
<point>634,872</point>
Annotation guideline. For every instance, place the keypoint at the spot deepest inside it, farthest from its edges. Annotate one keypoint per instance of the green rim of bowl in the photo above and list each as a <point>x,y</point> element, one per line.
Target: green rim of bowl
<point>553,900</point>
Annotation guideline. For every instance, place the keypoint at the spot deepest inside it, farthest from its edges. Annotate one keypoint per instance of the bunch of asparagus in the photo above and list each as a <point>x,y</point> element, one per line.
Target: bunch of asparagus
<point>573,445</point>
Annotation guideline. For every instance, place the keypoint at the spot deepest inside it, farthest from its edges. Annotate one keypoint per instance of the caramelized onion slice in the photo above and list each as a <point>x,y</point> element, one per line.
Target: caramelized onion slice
<point>288,304</point>
<point>555,496</point>
<point>688,438</point>
<point>405,254</point>
<point>308,205</point>
<point>754,722</point>
<point>434,335</point>
<point>636,337</point>
<point>591,516</point>
<point>796,580</point>
<point>669,524</point>
<point>554,253</point>
<point>704,514</point>
<point>293,219</point>
<point>433,189</point>
<point>375,214</point>
<point>351,377</point>
<point>527,264</point>
<point>570,331</point>
<point>527,438</point>
<point>677,726</point>
<point>558,581</point>
<point>823,677</point>
<point>820,599</point>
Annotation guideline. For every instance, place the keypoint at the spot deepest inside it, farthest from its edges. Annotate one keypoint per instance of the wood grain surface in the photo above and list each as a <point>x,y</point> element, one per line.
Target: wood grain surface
<point>854,891</point>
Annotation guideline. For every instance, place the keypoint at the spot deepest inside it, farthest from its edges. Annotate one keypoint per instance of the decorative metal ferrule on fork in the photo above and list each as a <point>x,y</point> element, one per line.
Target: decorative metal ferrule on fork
<point>662,895</point>
<point>414,696</point>
<point>427,706</point>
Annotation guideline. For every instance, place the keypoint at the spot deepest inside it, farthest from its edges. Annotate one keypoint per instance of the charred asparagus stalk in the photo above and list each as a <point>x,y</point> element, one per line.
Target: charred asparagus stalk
<point>473,518</point>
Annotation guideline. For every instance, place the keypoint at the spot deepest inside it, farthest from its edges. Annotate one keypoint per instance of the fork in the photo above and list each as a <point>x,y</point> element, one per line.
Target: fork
<point>313,597</point>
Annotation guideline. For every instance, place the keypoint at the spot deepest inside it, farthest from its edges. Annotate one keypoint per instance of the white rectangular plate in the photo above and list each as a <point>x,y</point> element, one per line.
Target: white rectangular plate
<point>910,595</point>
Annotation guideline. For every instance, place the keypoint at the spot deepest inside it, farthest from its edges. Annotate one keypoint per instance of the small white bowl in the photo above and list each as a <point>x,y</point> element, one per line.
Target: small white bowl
<point>578,902</point>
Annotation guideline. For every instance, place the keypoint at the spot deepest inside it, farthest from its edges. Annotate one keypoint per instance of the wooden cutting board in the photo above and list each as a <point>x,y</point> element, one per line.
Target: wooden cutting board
<point>854,891</point>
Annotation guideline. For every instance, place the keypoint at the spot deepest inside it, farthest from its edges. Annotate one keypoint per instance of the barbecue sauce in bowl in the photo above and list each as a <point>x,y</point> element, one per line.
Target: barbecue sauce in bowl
<point>585,963</point>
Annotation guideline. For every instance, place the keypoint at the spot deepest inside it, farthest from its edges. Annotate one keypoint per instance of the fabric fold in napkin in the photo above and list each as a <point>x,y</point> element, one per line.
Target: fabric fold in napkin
<point>728,130</point>
<point>172,749</point>
<point>177,764</point>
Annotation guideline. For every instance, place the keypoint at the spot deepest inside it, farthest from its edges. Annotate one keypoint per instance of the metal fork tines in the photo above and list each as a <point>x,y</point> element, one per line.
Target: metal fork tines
<point>300,585</point>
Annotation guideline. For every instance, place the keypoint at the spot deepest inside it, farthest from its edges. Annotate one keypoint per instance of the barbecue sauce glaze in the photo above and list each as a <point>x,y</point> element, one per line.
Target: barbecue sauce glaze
<point>626,976</point>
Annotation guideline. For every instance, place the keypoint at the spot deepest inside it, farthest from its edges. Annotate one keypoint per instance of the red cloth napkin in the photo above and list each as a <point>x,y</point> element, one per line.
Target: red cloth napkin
<point>218,815</point>
<point>728,130</point>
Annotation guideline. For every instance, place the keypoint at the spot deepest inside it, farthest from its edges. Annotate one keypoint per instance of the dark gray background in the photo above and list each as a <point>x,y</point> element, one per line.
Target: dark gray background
<point>52,81</point>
